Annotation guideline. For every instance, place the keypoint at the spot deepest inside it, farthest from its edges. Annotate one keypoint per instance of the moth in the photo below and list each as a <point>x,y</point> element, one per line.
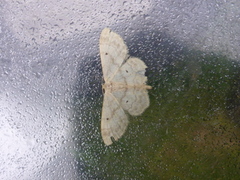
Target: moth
<point>125,86</point>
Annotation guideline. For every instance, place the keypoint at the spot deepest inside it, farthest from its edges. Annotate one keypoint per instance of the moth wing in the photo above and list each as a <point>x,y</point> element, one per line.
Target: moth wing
<point>114,120</point>
<point>113,52</point>
<point>133,100</point>
<point>132,73</point>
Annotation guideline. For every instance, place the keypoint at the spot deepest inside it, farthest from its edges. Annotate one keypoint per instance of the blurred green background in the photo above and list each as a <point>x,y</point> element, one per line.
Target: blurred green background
<point>190,130</point>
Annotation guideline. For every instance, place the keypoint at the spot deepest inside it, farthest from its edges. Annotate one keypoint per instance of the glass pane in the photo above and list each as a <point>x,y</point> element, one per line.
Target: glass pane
<point>51,97</point>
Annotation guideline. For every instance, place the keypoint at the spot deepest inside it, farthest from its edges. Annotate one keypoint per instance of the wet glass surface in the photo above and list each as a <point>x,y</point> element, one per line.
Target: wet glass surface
<point>190,130</point>
<point>51,90</point>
